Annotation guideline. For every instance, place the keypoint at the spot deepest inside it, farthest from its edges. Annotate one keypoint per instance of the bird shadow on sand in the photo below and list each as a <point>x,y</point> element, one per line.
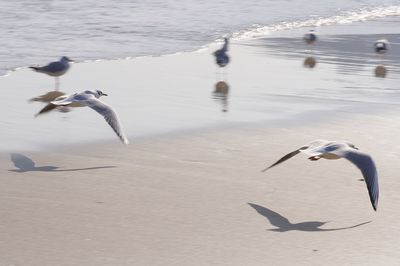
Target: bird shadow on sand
<point>25,164</point>
<point>282,224</point>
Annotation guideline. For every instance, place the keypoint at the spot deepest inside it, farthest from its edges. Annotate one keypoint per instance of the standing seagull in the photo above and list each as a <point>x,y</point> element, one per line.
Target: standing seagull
<point>90,98</point>
<point>310,37</point>
<point>221,57</point>
<point>335,150</point>
<point>381,46</point>
<point>55,69</point>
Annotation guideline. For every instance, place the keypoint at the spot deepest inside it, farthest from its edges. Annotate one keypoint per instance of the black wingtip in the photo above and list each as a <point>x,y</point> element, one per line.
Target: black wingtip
<point>264,170</point>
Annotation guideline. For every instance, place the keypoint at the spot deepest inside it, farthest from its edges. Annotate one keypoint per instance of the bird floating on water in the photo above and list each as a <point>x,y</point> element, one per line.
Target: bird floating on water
<point>90,98</point>
<point>54,69</point>
<point>338,149</point>
<point>221,56</point>
<point>310,37</point>
<point>381,46</point>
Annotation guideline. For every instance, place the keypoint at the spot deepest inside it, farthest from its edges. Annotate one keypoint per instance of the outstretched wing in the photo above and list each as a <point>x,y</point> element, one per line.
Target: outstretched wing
<point>284,158</point>
<point>308,149</point>
<point>46,109</point>
<point>109,115</point>
<point>365,163</point>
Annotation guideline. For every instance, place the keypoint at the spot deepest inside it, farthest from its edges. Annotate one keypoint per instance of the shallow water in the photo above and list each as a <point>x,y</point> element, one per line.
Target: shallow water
<point>36,31</point>
<point>265,85</point>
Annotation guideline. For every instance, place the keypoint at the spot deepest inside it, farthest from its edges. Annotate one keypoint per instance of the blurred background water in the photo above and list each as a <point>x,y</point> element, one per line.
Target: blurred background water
<point>39,31</point>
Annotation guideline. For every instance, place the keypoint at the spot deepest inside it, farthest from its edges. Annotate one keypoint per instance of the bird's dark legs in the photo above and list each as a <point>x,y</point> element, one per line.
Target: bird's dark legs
<point>57,83</point>
<point>314,158</point>
<point>224,74</point>
<point>220,74</point>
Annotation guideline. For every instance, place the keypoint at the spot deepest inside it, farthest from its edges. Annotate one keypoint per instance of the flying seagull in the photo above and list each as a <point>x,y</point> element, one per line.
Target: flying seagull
<point>90,98</point>
<point>221,56</point>
<point>338,149</point>
<point>381,46</point>
<point>55,69</point>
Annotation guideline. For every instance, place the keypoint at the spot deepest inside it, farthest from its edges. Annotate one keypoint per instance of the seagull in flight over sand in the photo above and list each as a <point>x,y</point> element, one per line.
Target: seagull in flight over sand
<point>221,56</point>
<point>381,46</point>
<point>332,150</point>
<point>90,98</point>
<point>54,69</point>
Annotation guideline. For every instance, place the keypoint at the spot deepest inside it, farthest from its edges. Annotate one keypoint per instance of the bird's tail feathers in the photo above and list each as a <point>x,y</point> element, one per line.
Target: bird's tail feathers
<point>35,68</point>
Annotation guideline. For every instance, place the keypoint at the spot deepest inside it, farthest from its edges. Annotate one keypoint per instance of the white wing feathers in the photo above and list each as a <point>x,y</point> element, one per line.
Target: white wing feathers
<point>367,167</point>
<point>105,110</point>
<point>109,115</point>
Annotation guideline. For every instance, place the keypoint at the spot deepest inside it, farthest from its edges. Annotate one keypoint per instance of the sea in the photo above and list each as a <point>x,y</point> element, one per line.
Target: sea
<point>35,32</point>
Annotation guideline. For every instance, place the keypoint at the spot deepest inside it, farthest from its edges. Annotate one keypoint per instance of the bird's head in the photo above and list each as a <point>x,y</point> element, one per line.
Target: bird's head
<point>66,59</point>
<point>352,146</point>
<point>99,93</point>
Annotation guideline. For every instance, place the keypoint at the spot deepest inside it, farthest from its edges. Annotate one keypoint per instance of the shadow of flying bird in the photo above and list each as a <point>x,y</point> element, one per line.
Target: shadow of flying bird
<point>25,164</point>
<point>284,225</point>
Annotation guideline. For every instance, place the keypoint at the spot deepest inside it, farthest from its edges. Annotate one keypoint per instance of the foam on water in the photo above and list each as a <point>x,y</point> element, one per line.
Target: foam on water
<point>37,32</point>
<point>363,14</point>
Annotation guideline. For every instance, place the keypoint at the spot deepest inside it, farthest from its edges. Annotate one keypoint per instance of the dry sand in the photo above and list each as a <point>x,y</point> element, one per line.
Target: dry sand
<point>184,200</point>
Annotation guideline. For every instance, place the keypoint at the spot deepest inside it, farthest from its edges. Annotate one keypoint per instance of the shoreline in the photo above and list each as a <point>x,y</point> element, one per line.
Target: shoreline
<point>180,97</point>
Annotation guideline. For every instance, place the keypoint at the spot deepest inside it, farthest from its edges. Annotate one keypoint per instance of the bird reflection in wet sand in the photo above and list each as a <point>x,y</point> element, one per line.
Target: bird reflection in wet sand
<point>54,96</point>
<point>47,98</point>
<point>221,94</point>
<point>380,71</point>
<point>25,164</point>
<point>309,62</point>
<point>284,225</point>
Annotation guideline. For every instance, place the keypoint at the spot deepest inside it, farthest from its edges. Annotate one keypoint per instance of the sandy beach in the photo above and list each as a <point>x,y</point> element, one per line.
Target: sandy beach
<point>189,190</point>
<point>184,200</point>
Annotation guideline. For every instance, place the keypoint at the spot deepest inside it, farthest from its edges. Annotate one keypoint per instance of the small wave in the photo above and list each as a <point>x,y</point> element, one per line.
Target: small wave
<point>258,31</point>
<point>363,14</point>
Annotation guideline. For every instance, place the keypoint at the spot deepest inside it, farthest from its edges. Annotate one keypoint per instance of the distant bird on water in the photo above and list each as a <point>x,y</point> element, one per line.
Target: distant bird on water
<point>381,46</point>
<point>310,37</point>
<point>221,56</point>
<point>335,150</point>
<point>55,69</point>
<point>90,98</point>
